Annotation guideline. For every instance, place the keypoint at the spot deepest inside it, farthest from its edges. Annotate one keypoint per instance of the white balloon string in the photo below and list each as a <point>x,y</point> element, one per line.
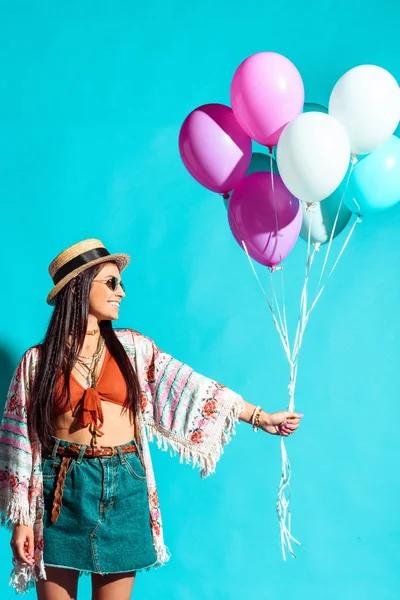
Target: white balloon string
<point>277,241</point>
<point>283,499</point>
<point>283,311</point>
<point>304,317</point>
<point>357,207</point>
<point>292,355</point>
<point>284,340</point>
<point>353,161</point>
<point>344,246</point>
<point>279,326</point>
<point>304,293</point>
<point>358,220</point>
<point>282,506</point>
<point>277,307</point>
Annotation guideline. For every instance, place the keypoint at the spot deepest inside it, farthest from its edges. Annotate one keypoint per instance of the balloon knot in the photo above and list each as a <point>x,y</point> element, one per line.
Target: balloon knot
<point>354,159</point>
<point>276,268</point>
<point>317,247</point>
<point>226,195</point>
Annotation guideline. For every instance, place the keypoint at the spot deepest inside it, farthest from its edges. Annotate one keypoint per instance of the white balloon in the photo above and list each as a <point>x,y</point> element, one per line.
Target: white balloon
<point>313,155</point>
<point>366,100</point>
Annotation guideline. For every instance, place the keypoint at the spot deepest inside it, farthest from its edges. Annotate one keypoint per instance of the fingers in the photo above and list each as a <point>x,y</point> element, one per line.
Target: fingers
<point>23,550</point>
<point>19,552</point>
<point>289,427</point>
<point>30,545</point>
<point>291,415</point>
<point>284,422</point>
<point>282,430</point>
<point>285,431</point>
<point>290,424</point>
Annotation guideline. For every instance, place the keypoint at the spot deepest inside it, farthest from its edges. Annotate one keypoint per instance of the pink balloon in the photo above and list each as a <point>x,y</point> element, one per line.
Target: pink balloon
<point>214,148</point>
<point>267,92</point>
<point>268,219</point>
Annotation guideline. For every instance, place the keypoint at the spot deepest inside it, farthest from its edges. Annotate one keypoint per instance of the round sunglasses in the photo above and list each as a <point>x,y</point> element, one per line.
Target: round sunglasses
<point>112,282</point>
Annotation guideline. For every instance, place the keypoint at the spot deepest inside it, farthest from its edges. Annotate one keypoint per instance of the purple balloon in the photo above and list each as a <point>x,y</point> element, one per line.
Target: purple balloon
<point>268,219</point>
<point>214,148</point>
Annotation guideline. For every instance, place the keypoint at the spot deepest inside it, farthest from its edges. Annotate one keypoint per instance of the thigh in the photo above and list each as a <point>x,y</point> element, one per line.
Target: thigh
<point>61,584</point>
<point>114,586</point>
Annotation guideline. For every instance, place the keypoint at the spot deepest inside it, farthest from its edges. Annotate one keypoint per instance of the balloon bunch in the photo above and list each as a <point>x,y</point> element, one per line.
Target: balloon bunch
<point>313,147</point>
<point>321,166</point>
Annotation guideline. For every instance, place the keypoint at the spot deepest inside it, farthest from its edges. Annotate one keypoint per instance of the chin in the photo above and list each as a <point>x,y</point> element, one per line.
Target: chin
<point>109,316</point>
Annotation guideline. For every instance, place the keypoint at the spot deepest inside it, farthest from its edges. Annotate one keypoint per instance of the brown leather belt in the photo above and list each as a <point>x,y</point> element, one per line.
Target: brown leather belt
<point>73,451</point>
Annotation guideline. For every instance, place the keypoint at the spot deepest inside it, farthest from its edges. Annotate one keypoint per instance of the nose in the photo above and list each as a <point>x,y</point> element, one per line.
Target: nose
<point>120,292</point>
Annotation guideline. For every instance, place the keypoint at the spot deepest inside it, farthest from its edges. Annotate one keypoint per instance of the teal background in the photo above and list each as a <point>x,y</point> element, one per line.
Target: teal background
<point>92,95</point>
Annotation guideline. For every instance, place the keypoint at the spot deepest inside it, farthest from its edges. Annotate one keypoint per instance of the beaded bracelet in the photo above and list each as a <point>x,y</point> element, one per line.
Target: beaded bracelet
<point>255,420</point>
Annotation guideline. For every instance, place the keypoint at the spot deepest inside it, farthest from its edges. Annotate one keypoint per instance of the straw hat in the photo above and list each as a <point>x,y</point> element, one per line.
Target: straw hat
<point>78,258</point>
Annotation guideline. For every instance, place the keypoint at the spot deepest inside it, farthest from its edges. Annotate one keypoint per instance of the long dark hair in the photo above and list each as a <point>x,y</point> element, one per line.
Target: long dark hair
<point>59,350</point>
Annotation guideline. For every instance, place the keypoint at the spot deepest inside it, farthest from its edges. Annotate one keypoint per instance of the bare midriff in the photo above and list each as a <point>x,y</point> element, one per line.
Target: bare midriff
<point>118,427</point>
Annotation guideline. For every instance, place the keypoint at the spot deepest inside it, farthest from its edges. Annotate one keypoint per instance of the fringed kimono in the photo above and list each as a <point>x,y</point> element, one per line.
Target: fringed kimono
<point>186,412</point>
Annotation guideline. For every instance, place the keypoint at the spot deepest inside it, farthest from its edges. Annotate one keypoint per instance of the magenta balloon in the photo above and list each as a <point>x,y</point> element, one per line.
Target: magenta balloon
<point>267,92</point>
<point>214,148</point>
<point>268,232</point>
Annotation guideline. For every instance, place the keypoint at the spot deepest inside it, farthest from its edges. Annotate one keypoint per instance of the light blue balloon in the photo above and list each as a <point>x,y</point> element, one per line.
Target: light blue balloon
<point>375,182</point>
<point>314,107</point>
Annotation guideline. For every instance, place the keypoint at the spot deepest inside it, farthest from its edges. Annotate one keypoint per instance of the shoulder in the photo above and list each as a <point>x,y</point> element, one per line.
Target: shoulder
<point>30,358</point>
<point>32,353</point>
<point>130,337</point>
<point>29,363</point>
<point>25,370</point>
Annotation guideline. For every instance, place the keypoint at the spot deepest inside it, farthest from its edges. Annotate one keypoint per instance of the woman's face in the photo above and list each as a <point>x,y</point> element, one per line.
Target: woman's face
<point>103,300</point>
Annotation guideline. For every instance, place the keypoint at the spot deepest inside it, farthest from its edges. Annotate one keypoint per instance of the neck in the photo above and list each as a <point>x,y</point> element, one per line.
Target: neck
<point>93,325</point>
<point>93,332</point>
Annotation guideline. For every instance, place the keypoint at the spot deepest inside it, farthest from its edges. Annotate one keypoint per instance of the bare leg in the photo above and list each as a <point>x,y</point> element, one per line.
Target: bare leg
<point>116,586</point>
<point>61,584</point>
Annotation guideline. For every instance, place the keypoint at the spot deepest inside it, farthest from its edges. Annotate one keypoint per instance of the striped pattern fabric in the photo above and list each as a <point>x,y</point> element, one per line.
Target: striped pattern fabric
<point>184,411</point>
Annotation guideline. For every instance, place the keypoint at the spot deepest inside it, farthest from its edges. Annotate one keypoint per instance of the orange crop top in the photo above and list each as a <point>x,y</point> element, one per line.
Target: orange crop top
<point>86,403</point>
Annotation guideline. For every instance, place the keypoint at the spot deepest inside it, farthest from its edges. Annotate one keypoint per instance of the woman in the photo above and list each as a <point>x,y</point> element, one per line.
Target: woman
<point>75,467</point>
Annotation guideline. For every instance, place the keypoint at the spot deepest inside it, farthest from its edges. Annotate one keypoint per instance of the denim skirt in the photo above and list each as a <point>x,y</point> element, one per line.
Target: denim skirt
<point>104,522</point>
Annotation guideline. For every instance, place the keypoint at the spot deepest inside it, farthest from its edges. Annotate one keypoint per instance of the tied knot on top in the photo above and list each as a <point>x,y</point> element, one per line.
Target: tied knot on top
<point>91,413</point>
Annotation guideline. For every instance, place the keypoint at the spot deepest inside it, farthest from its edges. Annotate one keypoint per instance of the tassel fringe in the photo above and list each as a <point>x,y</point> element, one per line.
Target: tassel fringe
<point>203,455</point>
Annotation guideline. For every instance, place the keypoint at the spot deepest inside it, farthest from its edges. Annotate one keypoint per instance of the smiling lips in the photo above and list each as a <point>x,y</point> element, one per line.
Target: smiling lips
<point>115,304</point>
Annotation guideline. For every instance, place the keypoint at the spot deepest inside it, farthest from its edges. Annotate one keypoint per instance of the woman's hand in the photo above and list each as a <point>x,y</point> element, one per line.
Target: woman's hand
<point>22,544</point>
<point>281,423</point>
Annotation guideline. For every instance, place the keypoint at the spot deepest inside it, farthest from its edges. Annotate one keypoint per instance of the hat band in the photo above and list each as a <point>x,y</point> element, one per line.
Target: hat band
<point>79,261</point>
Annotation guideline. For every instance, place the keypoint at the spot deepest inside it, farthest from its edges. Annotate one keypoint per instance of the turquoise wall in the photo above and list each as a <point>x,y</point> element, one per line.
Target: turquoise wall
<point>92,95</point>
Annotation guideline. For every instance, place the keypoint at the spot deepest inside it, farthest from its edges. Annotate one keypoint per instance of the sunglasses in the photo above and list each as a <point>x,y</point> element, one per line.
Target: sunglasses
<point>112,282</point>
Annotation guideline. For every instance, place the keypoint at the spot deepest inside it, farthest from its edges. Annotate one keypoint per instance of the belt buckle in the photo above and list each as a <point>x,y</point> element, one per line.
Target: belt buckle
<point>112,451</point>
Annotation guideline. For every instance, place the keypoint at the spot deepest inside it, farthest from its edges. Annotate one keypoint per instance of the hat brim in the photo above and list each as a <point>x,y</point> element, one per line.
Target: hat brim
<point>121,260</point>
